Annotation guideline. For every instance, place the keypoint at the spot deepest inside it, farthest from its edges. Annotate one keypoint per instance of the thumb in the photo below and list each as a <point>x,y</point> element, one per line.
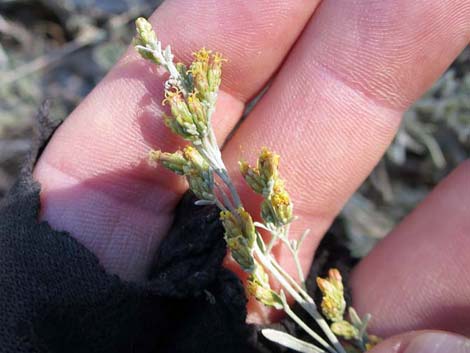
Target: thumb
<point>424,342</point>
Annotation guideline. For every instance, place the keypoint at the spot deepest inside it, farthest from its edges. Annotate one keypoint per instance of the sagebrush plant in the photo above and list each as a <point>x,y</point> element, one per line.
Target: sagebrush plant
<point>191,94</point>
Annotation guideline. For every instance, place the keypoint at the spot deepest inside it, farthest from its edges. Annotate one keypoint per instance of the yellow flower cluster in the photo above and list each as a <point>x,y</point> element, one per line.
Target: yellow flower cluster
<point>240,236</point>
<point>333,303</point>
<point>258,286</point>
<point>264,179</point>
<point>191,93</point>
<point>206,71</point>
<point>191,164</point>
<point>188,116</point>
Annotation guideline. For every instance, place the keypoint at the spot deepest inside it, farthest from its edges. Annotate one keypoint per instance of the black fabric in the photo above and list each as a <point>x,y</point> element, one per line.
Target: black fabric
<point>55,296</point>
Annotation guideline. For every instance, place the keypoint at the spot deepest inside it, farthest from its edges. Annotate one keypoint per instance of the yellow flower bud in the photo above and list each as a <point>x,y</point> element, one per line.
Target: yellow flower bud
<point>145,31</point>
<point>372,341</point>
<point>147,38</point>
<point>252,177</point>
<point>247,226</point>
<point>241,253</point>
<point>258,286</point>
<point>268,163</point>
<point>199,174</point>
<point>199,113</point>
<point>214,73</point>
<point>203,56</point>
<point>172,161</point>
<point>188,117</point>
<point>277,208</point>
<point>191,164</point>
<point>195,159</point>
<point>206,71</point>
<point>262,178</point>
<point>240,236</point>
<point>333,303</point>
<point>345,329</point>
<point>198,69</point>
<point>178,106</point>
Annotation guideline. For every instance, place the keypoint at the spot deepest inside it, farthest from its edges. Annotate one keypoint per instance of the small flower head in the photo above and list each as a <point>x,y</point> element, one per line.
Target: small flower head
<point>199,174</point>
<point>188,117</point>
<point>262,177</point>
<point>268,163</point>
<point>196,162</point>
<point>258,286</point>
<point>333,303</point>
<point>198,69</point>
<point>240,237</point>
<point>277,208</point>
<point>190,164</point>
<point>214,73</point>
<point>252,177</point>
<point>172,161</point>
<point>145,32</point>
<point>198,112</point>
<point>372,341</point>
<point>344,329</point>
<point>145,37</point>
<point>202,55</point>
<point>206,70</point>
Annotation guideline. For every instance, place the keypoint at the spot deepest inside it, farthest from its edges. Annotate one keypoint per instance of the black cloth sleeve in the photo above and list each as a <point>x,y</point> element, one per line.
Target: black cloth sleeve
<point>56,297</point>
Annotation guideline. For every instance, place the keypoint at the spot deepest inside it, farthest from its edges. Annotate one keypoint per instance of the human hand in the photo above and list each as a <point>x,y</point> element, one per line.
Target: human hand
<point>331,111</point>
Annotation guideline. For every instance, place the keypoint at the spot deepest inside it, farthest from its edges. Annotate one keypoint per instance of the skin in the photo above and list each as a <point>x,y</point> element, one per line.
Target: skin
<point>343,74</point>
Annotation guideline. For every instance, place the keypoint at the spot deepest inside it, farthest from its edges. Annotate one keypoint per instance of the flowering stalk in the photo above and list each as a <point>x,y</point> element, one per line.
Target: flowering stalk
<point>191,94</point>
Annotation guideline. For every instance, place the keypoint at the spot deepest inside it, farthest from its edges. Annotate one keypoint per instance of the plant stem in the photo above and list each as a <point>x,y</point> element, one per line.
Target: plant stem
<point>299,294</point>
<point>293,282</point>
<point>228,204</point>
<point>274,237</point>
<point>295,255</point>
<point>307,303</point>
<point>302,324</point>
<point>212,155</point>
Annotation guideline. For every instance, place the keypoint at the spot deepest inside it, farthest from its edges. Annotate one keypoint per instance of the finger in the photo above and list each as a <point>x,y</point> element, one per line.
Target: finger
<point>337,102</point>
<point>424,342</point>
<point>95,182</point>
<point>417,277</point>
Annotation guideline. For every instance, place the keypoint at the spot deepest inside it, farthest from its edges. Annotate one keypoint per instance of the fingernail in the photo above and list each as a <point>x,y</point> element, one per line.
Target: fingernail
<point>438,343</point>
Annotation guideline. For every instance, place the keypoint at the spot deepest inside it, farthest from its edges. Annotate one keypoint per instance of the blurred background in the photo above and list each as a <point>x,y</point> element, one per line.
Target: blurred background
<point>60,49</point>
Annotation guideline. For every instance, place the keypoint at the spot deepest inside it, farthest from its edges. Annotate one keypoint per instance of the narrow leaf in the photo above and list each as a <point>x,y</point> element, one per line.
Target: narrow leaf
<point>289,341</point>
